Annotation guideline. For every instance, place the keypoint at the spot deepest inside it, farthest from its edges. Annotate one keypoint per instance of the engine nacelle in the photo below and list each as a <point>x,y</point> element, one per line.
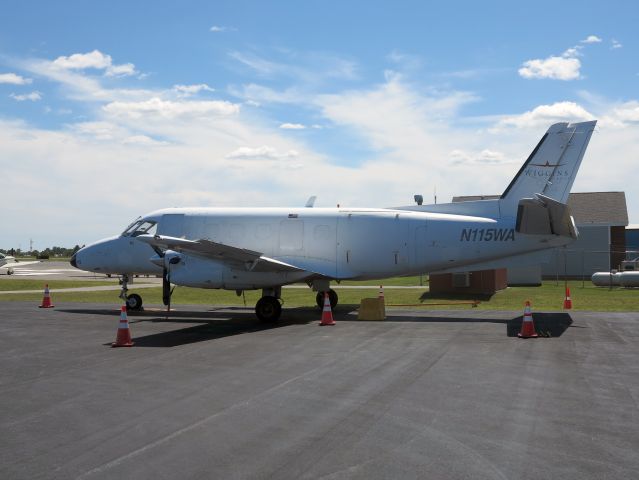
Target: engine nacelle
<point>198,272</point>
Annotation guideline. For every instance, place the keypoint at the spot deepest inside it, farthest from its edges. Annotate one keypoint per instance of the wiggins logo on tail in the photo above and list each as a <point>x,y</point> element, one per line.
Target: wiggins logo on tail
<point>487,235</point>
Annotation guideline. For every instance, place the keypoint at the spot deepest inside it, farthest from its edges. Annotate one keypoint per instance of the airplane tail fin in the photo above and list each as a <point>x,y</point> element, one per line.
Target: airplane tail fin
<point>551,167</point>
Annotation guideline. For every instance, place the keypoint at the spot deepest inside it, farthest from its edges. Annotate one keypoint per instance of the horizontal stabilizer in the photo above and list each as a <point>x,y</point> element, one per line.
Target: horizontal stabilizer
<point>544,216</point>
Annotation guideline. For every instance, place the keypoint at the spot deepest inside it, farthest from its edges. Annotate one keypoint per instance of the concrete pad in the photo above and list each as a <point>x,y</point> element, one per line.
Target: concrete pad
<point>212,393</point>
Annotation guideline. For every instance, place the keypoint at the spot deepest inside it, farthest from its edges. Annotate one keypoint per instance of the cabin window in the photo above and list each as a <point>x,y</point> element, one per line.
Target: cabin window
<point>140,227</point>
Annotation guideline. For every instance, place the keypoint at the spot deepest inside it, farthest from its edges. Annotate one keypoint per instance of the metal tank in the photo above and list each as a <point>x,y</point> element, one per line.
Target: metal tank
<point>606,279</point>
<point>629,279</point>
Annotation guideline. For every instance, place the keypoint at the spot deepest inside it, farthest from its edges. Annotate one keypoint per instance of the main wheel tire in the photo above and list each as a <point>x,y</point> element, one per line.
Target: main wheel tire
<point>332,297</point>
<point>134,302</point>
<point>268,309</point>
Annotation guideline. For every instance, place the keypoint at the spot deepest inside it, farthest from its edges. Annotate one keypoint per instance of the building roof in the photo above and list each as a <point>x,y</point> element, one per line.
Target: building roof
<point>591,208</point>
<point>472,198</point>
<point>599,208</point>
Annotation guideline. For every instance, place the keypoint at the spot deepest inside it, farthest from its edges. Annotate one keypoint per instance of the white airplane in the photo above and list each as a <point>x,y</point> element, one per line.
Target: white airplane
<point>9,263</point>
<point>265,248</point>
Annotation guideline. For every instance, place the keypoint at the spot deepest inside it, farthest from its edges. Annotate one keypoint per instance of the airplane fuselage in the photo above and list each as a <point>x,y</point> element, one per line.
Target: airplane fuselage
<point>333,243</point>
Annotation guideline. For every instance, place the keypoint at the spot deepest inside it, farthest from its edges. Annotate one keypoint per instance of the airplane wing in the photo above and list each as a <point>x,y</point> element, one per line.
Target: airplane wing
<point>253,261</point>
<point>13,265</point>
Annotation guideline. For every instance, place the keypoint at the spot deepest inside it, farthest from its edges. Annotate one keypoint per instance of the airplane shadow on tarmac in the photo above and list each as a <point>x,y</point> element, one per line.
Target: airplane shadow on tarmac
<point>214,323</point>
<point>546,324</point>
<point>229,321</point>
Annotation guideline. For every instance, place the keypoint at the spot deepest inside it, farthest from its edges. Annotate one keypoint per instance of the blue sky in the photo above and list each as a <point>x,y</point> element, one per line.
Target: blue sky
<point>112,109</point>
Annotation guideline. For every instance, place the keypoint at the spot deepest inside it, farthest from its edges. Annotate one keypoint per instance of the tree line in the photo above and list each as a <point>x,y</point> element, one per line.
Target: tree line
<point>49,252</point>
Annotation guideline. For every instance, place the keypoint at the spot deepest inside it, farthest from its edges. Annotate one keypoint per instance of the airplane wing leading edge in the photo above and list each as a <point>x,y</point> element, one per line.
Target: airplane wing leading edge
<point>253,261</point>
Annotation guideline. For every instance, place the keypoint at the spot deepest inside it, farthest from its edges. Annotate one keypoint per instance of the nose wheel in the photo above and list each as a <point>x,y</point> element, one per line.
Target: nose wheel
<point>134,302</point>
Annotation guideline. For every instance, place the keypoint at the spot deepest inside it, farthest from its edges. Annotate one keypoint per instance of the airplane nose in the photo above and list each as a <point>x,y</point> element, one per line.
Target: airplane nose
<point>73,261</point>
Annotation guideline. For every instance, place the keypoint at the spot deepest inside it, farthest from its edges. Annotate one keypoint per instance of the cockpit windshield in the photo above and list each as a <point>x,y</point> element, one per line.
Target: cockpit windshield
<point>140,227</point>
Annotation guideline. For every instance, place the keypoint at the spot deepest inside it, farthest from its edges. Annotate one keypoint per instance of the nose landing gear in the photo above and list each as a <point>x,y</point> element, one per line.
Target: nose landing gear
<point>133,301</point>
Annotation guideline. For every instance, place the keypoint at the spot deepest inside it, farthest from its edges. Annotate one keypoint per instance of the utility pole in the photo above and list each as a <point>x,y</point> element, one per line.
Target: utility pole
<point>31,245</point>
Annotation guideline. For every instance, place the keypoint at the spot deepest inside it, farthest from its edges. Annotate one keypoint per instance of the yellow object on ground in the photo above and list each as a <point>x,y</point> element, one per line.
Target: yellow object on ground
<point>372,309</point>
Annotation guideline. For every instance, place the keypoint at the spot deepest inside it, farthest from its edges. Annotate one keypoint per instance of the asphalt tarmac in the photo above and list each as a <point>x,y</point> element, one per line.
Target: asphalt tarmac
<point>60,270</point>
<point>212,393</point>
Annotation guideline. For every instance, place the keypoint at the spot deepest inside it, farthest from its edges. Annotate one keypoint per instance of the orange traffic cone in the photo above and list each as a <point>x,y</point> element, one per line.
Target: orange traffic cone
<point>46,300</point>
<point>527,326</point>
<point>567,300</point>
<point>381,292</point>
<point>124,334</point>
<point>327,314</point>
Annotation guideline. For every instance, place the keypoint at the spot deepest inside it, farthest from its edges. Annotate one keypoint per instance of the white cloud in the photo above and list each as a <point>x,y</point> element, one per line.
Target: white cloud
<point>292,126</point>
<point>80,86</point>
<point>80,61</point>
<point>112,133</point>
<point>404,60</point>
<point>190,90</point>
<point>485,157</point>
<point>259,94</point>
<point>96,60</point>
<point>564,67</point>
<point>615,44</point>
<point>544,115</point>
<point>142,140</point>
<point>558,68</point>
<point>309,69</point>
<point>221,28</point>
<point>572,52</point>
<point>263,152</point>
<point>98,130</point>
<point>123,70</point>
<point>33,96</point>
<point>626,112</point>
<point>14,79</point>
<point>591,39</point>
<point>156,107</point>
<point>261,66</point>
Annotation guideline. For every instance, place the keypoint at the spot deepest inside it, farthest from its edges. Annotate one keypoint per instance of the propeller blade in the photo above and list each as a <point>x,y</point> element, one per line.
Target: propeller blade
<point>166,288</point>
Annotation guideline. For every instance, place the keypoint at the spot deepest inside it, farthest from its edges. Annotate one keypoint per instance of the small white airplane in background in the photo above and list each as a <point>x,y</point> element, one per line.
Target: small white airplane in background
<point>266,248</point>
<point>9,263</point>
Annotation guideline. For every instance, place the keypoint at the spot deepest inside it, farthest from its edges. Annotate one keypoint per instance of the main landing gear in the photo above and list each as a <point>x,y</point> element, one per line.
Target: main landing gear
<point>133,301</point>
<point>332,297</point>
<point>268,308</point>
